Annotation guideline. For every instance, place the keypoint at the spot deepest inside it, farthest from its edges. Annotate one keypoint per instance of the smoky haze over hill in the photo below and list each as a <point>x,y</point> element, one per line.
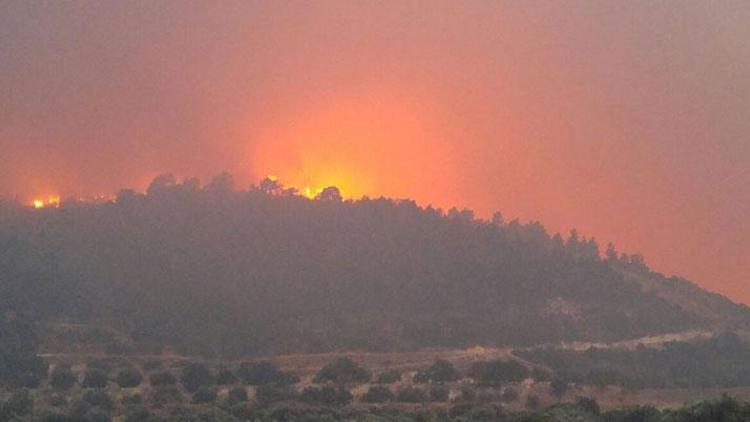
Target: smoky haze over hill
<point>220,272</point>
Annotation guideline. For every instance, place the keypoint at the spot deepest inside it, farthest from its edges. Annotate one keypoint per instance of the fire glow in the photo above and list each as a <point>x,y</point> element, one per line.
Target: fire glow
<point>51,201</point>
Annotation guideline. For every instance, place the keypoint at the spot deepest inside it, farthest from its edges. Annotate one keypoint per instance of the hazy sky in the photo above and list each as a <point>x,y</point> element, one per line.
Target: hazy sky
<point>628,120</point>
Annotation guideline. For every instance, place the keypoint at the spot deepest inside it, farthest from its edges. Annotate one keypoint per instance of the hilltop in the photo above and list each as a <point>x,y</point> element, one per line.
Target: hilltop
<point>218,272</point>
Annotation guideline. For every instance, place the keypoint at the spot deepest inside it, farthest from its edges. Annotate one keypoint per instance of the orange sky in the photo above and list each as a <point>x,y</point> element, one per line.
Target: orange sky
<point>629,121</point>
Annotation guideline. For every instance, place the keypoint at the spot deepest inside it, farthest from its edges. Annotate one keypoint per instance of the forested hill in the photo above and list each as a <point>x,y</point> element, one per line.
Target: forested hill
<point>217,271</point>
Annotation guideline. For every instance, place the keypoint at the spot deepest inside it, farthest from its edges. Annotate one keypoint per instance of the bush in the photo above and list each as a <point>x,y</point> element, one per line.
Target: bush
<point>466,395</point>
<point>62,378</point>
<point>162,378</point>
<point>509,395</point>
<point>132,400</point>
<point>237,394</point>
<point>95,378</point>
<point>100,399</point>
<point>137,413</point>
<point>487,396</point>
<point>378,394</point>
<point>129,378</point>
<point>497,372</point>
<point>196,375</point>
<point>20,403</point>
<point>273,393</point>
<point>440,371</point>
<point>57,400</point>
<point>440,393</point>
<point>390,376</point>
<point>225,377</point>
<point>532,402</point>
<point>634,414</point>
<point>116,348</point>
<point>97,415</point>
<point>326,396</point>
<point>166,395</point>
<point>262,373</point>
<point>204,394</point>
<point>18,349</point>
<point>540,374</point>
<point>342,371</point>
<point>559,387</point>
<point>30,380</point>
<point>589,404</point>
<point>411,394</point>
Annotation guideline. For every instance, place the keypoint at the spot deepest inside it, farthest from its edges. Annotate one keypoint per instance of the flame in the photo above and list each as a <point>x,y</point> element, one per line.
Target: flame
<point>311,193</point>
<point>52,201</point>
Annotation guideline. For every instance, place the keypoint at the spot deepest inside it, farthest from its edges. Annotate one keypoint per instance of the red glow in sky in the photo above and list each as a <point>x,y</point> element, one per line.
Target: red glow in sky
<point>628,121</point>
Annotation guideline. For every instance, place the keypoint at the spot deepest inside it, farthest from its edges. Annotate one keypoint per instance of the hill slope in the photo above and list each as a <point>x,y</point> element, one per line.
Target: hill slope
<point>227,273</point>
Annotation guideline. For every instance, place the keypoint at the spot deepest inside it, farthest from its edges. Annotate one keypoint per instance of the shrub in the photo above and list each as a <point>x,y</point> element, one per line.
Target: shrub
<point>466,395</point>
<point>132,400</point>
<point>378,394</point>
<point>343,371</point>
<point>497,372</point>
<point>57,400</point>
<point>30,380</point>
<point>79,409</point>
<point>20,403</point>
<point>196,375</point>
<point>166,395</point>
<point>225,377</point>
<point>634,414</point>
<point>262,373</point>
<point>237,394</point>
<point>589,405</point>
<point>97,415</point>
<point>390,376</point>
<point>162,378</point>
<point>137,413</point>
<point>540,374</point>
<point>95,378</point>
<point>116,348</point>
<point>559,386</point>
<point>204,394</point>
<point>326,396</point>
<point>532,402</point>
<point>411,394</point>
<point>440,371</point>
<point>62,378</point>
<point>99,398</point>
<point>440,393</point>
<point>509,395</point>
<point>129,378</point>
<point>273,393</point>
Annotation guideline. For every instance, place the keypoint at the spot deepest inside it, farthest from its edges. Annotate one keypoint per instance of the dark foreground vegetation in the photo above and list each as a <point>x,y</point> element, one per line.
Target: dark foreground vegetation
<point>124,389</point>
<point>220,272</point>
<point>96,406</point>
<point>721,361</point>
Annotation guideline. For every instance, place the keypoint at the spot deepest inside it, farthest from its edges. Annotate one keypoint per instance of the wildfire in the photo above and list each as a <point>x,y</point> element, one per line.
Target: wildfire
<point>311,193</point>
<point>52,201</point>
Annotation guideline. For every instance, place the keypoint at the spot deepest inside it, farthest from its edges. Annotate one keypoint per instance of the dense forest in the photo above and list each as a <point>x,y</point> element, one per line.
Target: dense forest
<point>217,271</point>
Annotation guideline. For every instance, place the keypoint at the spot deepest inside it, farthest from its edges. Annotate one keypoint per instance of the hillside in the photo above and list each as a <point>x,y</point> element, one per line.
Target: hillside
<point>220,272</point>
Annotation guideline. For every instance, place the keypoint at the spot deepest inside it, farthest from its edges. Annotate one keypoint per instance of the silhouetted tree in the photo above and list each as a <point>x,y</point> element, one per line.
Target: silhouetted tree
<point>331,193</point>
<point>161,184</point>
<point>342,371</point>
